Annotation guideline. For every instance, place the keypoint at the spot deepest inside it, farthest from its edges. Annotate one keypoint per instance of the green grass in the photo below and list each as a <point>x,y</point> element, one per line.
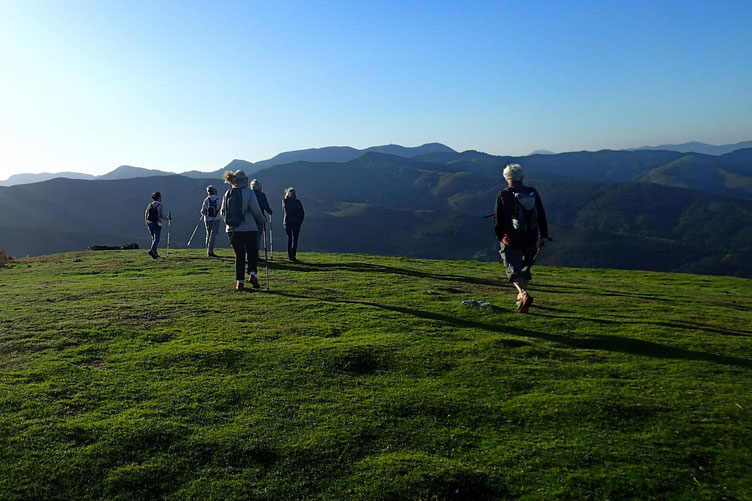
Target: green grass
<point>127,378</point>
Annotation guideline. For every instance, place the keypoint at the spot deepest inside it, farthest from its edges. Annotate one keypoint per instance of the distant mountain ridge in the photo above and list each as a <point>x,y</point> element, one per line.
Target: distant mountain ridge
<point>326,154</point>
<point>698,147</point>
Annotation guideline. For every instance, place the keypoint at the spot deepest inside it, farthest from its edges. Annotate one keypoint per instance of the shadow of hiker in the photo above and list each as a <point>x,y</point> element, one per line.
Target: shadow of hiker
<point>619,344</point>
<point>662,323</point>
<point>378,268</point>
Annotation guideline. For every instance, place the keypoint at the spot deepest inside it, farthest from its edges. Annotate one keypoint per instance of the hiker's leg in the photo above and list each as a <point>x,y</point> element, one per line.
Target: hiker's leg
<point>252,251</point>
<point>207,240</point>
<point>295,235</point>
<point>237,246</point>
<point>212,231</point>
<point>288,230</point>
<point>259,235</point>
<point>156,232</point>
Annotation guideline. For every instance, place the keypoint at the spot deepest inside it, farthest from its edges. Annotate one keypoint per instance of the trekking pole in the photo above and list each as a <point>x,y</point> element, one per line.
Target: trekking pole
<point>266,260</point>
<point>271,236</point>
<point>194,232</point>
<point>169,222</point>
<point>526,268</point>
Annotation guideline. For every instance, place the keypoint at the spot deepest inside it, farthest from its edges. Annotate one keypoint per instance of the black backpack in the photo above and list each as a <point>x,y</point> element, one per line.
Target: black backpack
<point>525,216</point>
<point>211,209</point>
<point>234,207</point>
<point>152,214</point>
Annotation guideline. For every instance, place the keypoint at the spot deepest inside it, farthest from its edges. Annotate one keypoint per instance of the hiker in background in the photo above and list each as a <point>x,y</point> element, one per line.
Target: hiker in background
<point>518,217</point>
<point>292,217</point>
<point>264,204</point>
<point>210,210</point>
<point>153,216</point>
<point>242,215</point>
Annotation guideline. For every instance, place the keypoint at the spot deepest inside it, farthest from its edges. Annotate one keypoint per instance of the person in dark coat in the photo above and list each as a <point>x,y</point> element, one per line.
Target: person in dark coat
<point>519,218</point>
<point>265,208</point>
<point>292,218</point>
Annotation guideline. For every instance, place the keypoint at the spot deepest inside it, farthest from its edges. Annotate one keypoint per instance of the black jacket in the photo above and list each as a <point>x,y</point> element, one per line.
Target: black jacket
<point>263,202</point>
<point>292,211</point>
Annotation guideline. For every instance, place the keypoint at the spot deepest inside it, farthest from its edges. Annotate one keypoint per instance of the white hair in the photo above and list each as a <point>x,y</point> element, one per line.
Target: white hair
<point>256,185</point>
<point>513,172</point>
<point>290,192</point>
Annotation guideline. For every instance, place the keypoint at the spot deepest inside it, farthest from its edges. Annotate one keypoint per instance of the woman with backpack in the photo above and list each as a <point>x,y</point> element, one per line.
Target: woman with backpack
<point>242,215</point>
<point>292,218</point>
<point>210,212</point>
<point>153,217</point>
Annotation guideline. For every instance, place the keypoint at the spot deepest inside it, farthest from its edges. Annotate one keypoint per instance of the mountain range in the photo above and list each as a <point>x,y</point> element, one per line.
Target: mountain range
<point>429,151</point>
<point>652,210</point>
<point>326,154</point>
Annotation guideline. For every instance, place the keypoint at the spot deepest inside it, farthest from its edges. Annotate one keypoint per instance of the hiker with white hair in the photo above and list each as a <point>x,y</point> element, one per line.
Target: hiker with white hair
<point>519,217</point>
<point>292,218</point>
<point>210,212</point>
<point>242,215</point>
<point>265,208</point>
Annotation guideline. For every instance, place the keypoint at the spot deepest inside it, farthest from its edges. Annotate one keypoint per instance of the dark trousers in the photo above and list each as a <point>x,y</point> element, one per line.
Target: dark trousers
<point>155,230</point>
<point>293,232</point>
<point>246,250</point>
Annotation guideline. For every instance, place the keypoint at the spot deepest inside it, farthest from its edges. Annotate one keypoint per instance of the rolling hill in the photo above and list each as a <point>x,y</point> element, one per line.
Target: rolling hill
<point>391,205</point>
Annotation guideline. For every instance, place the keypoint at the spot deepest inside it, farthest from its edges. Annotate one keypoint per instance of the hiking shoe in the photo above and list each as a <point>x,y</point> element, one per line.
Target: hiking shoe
<point>239,287</point>
<point>254,281</point>
<point>153,254</point>
<point>211,254</point>
<point>525,303</point>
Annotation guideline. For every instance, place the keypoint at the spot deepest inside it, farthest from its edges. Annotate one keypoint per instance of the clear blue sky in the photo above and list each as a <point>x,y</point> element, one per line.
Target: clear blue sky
<point>90,85</point>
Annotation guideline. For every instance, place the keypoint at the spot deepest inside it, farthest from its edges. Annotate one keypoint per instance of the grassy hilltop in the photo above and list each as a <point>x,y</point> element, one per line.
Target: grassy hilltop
<point>127,378</point>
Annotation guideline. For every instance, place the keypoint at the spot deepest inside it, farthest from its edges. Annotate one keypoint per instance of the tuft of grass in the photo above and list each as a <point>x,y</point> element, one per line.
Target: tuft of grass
<point>122,377</point>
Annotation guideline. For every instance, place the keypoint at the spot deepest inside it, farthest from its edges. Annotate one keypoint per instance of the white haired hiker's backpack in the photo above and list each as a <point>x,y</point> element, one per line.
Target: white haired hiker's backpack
<point>233,207</point>
<point>525,216</point>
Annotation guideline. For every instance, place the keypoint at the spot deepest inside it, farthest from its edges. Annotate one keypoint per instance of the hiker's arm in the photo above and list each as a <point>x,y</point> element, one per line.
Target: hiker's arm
<point>499,217</point>
<point>204,205</point>
<point>302,212</point>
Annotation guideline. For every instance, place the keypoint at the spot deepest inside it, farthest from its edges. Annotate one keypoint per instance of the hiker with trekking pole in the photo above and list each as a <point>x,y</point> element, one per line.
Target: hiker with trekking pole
<point>153,217</point>
<point>242,215</point>
<point>210,214</point>
<point>267,210</point>
<point>518,219</point>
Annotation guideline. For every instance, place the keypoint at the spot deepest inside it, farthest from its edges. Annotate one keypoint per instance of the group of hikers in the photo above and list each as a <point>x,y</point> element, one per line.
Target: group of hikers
<point>244,209</point>
<point>520,226</point>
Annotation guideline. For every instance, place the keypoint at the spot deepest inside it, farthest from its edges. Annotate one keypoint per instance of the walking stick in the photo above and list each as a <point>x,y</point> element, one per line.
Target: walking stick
<point>266,260</point>
<point>169,222</point>
<point>271,236</point>
<point>526,268</point>
<point>194,232</point>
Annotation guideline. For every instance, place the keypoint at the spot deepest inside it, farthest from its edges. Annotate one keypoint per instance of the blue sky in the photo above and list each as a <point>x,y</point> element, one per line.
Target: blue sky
<point>90,85</point>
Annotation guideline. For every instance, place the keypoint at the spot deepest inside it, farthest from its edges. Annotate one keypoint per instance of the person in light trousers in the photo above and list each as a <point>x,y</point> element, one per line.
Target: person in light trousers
<point>210,211</point>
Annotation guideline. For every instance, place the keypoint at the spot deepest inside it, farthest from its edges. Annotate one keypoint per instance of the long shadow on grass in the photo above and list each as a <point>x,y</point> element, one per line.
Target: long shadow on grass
<point>377,268</point>
<point>661,323</point>
<point>618,344</point>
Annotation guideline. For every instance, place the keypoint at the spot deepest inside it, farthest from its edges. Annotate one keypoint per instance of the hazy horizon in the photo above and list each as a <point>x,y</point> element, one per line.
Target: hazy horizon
<point>87,87</point>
